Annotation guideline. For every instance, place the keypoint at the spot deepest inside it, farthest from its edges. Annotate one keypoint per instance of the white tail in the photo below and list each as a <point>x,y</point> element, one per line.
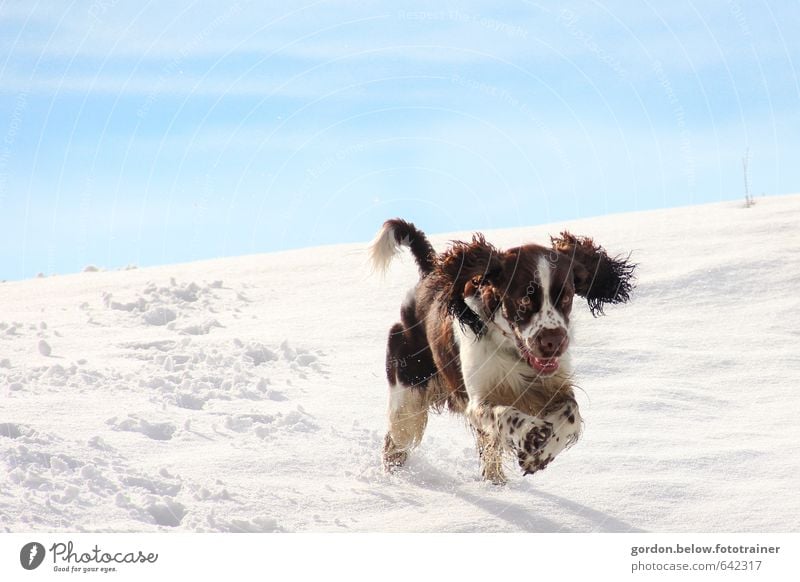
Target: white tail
<point>383,248</point>
<point>397,233</point>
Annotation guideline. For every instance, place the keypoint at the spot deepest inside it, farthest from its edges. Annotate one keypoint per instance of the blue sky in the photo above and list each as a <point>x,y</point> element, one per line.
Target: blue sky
<point>149,133</point>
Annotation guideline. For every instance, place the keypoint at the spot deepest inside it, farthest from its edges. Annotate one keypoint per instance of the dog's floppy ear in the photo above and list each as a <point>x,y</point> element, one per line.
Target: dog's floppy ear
<point>465,265</point>
<point>598,277</point>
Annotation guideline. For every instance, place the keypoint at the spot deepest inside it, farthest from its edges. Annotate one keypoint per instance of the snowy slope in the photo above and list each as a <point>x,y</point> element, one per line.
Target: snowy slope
<point>228,395</point>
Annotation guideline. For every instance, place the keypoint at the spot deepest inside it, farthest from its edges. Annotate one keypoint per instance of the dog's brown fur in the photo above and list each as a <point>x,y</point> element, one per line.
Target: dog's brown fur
<point>460,297</point>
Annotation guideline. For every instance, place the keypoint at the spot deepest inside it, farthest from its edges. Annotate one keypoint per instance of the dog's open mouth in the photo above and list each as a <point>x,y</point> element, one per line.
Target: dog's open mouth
<point>544,366</point>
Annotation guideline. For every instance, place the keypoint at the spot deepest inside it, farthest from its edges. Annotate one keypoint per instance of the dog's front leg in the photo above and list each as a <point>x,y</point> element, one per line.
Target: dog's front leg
<point>490,450</point>
<point>565,418</point>
<point>524,435</point>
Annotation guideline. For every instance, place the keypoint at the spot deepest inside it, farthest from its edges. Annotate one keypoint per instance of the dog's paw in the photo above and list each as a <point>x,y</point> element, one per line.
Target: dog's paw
<point>537,437</point>
<point>560,435</point>
<point>536,461</point>
<point>566,427</point>
<point>393,461</point>
<point>493,474</point>
<point>393,457</point>
<point>532,463</point>
<point>529,437</point>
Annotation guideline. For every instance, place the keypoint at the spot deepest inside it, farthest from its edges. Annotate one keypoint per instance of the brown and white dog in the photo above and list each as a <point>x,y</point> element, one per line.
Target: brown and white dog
<point>485,333</point>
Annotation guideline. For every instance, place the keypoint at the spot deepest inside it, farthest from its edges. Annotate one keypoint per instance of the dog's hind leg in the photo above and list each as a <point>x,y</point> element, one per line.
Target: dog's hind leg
<point>409,367</point>
<point>411,371</point>
<point>408,416</point>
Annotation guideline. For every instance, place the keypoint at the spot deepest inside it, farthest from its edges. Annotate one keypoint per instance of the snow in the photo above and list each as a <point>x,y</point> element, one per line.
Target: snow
<point>248,394</point>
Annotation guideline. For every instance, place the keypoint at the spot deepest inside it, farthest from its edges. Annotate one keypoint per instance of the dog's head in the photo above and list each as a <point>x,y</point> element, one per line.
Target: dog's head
<point>525,293</point>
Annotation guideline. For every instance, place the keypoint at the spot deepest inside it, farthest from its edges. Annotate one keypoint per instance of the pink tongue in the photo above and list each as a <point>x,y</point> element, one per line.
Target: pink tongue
<point>543,364</point>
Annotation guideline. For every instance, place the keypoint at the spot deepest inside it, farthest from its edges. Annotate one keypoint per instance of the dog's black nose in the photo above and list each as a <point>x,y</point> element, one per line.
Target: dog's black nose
<point>551,342</point>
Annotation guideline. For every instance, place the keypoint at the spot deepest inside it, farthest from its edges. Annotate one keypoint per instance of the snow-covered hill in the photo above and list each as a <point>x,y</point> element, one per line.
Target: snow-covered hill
<point>248,394</point>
